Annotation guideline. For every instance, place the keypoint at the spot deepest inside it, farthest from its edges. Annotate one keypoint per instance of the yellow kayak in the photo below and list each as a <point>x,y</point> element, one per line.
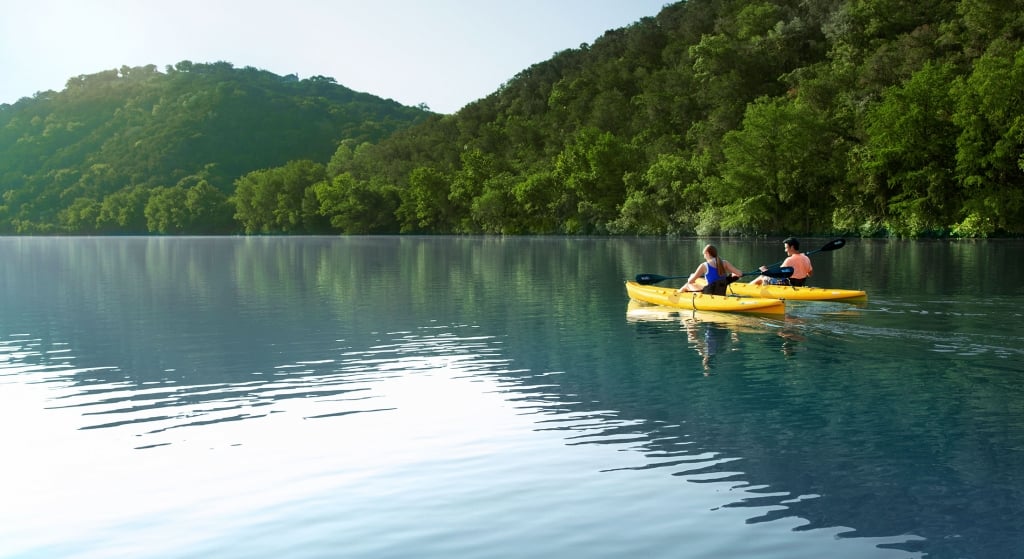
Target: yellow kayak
<point>669,297</point>
<point>795,293</point>
<point>638,311</point>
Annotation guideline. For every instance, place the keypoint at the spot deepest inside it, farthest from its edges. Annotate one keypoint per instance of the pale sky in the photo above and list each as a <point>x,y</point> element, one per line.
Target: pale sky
<point>445,53</point>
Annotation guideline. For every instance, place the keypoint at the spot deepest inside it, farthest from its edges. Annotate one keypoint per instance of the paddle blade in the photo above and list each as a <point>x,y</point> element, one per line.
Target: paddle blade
<point>833,245</point>
<point>783,272</point>
<point>649,279</point>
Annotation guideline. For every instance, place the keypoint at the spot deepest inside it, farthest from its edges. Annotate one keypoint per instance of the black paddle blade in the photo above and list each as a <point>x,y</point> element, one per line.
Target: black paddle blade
<point>649,279</point>
<point>783,272</point>
<point>833,245</point>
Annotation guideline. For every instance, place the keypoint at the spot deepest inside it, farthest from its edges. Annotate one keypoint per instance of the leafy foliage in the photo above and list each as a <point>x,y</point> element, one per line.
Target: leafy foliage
<point>117,138</point>
<point>869,117</point>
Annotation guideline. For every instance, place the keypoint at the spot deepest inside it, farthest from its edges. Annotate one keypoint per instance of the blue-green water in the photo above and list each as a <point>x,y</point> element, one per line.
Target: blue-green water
<point>488,397</point>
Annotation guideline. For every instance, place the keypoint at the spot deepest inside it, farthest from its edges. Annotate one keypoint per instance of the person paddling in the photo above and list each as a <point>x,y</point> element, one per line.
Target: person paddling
<point>800,262</point>
<point>713,268</point>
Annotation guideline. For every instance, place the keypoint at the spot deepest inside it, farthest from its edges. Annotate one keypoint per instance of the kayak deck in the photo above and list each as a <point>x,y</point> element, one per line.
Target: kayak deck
<point>792,293</point>
<point>669,297</point>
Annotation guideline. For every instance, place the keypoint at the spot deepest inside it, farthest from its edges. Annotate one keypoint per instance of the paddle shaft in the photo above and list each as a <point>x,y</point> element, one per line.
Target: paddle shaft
<point>651,279</point>
<point>834,244</point>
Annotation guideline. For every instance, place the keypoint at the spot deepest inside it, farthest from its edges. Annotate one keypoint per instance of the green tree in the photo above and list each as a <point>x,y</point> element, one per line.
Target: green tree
<point>357,207</point>
<point>425,204</point>
<point>667,198</point>
<point>537,197</point>
<point>280,200</point>
<point>342,159</point>
<point>990,147</point>
<point>778,170</point>
<point>123,211</point>
<point>208,210</point>
<point>593,169</point>
<point>494,210</point>
<point>166,211</point>
<point>467,185</point>
<point>908,159</point>
<point>80,217</point>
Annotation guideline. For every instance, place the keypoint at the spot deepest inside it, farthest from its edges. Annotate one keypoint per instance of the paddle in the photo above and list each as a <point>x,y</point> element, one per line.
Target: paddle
<point>651,279</point>
<point>834,244</point>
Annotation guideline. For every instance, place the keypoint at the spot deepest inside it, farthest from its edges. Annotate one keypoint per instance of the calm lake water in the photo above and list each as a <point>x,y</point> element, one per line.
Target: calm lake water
<point>395,397</point>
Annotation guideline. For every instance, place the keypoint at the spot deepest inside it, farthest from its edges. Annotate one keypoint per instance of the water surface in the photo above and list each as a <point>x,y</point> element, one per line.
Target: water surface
<point>489,397</point>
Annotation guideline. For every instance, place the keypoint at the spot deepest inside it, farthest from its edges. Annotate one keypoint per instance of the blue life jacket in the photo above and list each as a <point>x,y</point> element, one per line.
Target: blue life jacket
<point>712,274</point>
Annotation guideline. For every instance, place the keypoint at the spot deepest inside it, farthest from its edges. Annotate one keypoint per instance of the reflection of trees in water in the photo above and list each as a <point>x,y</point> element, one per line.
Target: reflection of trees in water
<point>826,431</point>
<point>834,432</point>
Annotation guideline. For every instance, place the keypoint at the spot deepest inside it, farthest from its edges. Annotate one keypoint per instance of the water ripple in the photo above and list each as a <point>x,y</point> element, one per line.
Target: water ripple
<point>313,388</point>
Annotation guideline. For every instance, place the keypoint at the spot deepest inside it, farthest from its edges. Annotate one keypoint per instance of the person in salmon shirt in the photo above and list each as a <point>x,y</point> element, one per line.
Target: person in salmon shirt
<point>800,262</point>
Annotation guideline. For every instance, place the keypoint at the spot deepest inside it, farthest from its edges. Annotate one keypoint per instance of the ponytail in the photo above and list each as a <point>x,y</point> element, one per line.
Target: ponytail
<point>713,253</point>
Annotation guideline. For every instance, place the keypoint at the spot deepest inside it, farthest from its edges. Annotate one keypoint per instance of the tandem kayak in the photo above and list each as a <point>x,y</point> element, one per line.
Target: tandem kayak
<point>792,293</point>
<point>669,297</point>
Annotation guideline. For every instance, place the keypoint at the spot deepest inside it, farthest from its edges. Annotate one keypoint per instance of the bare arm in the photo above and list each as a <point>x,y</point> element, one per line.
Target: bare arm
<point>701,272</point>
<point>690,286</point>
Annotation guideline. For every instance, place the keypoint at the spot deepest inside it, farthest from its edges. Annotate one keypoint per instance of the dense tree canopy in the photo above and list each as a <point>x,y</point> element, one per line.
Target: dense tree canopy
<point>868,117</point>
<point>135,150</point>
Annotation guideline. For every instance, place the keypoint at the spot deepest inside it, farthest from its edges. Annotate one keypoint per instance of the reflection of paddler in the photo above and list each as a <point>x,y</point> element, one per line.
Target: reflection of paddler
<point>714,338</point>
<point>710,344</point>
<point>791,336</point>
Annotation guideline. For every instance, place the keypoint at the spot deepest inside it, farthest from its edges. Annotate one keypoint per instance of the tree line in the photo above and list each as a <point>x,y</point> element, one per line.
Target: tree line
<point>135,150</point>
<point>854,117</point>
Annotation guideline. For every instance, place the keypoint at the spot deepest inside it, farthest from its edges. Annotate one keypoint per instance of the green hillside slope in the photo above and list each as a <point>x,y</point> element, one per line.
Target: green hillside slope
<point>736,117</point>
<point>114,137</point>
<point>864,117</point>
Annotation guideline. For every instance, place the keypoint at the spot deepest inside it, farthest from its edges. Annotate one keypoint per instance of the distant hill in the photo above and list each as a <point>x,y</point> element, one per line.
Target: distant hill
<point>735,117</point>
<point>124,130</point>
<point>715,117</point>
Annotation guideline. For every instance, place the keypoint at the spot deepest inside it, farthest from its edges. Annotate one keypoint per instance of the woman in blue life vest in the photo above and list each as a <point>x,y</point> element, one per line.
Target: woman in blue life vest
<point>711,269</point>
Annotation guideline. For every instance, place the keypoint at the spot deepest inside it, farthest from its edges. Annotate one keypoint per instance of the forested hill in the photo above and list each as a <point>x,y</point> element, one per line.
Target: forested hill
<point>749,117</point>
<point>115,146</point>
<point>861,117</point>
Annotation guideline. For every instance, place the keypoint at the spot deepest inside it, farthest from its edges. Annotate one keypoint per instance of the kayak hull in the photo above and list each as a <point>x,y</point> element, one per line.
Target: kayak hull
<point>669,297</point>
<point>791,293</point>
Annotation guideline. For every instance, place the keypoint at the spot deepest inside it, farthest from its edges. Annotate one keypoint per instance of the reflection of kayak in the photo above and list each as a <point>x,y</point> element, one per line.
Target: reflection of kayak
<point>669,297</point>
<point>639,311</point>
<point>791,293</point>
